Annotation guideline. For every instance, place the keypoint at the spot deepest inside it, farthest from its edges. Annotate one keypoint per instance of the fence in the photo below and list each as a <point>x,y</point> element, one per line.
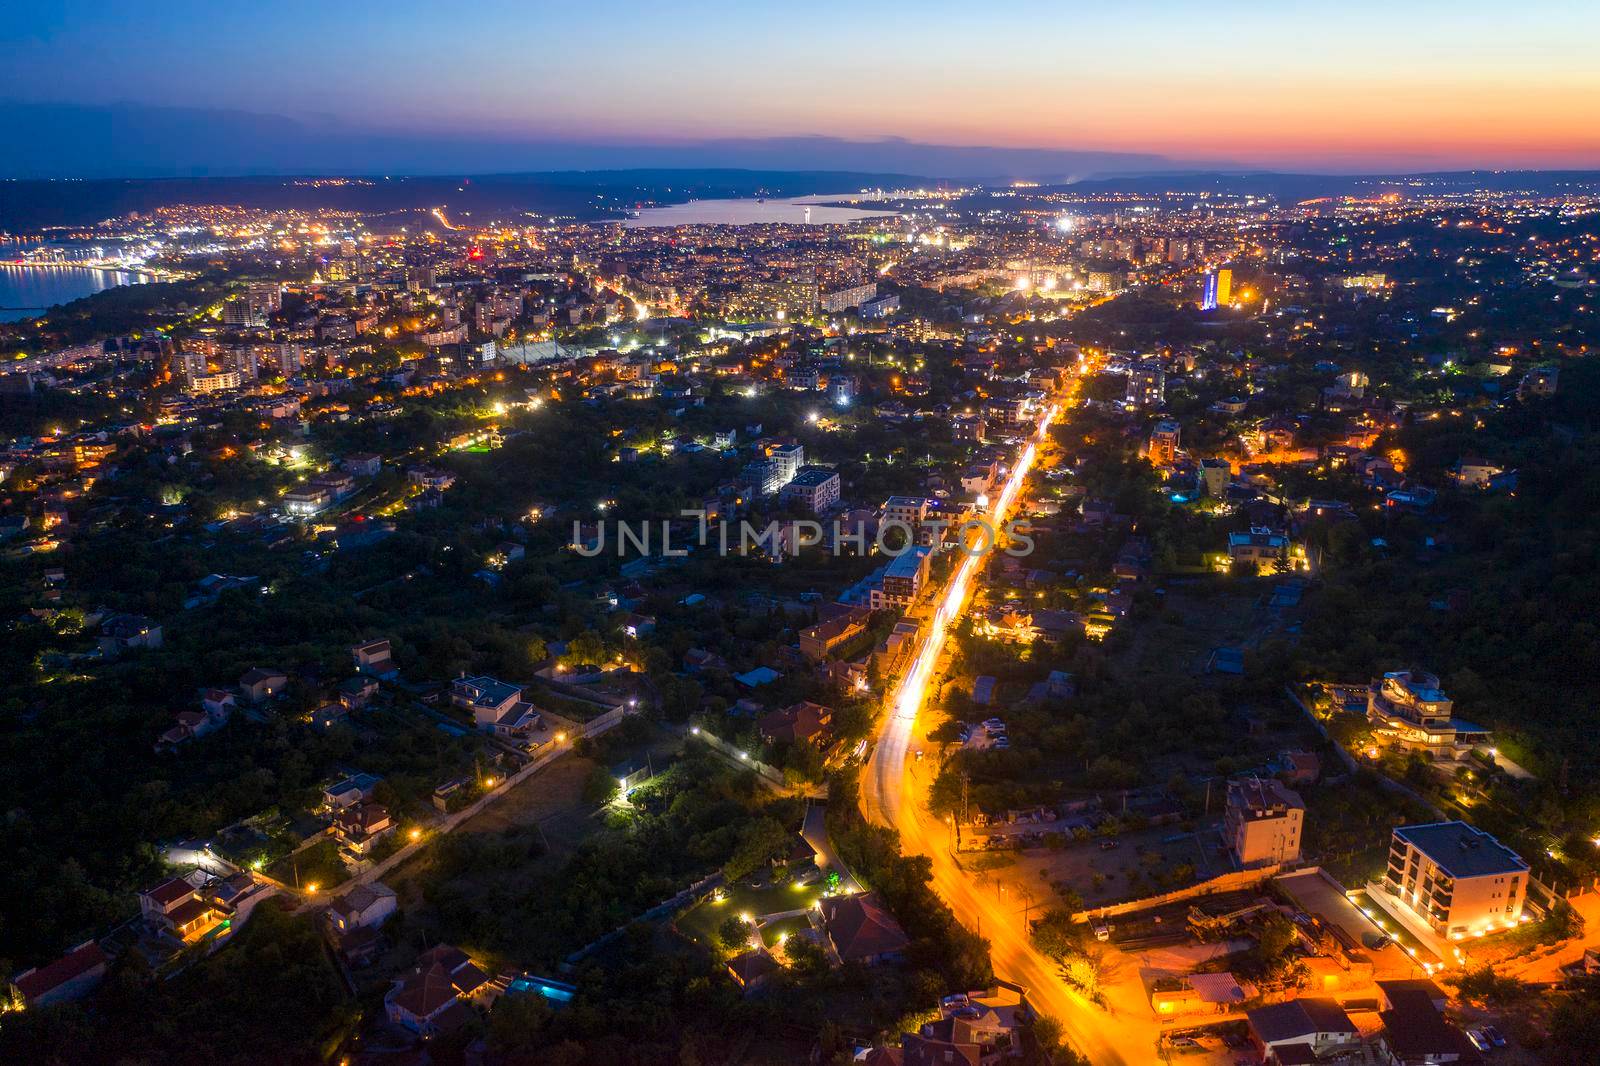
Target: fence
<point>1228,882</point>
<point>694,893</point>
<point>771,773</point>
<point>593,728</point>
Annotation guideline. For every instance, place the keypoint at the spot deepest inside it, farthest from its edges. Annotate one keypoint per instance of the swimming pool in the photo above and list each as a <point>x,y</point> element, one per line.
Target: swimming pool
<point>557,991</point>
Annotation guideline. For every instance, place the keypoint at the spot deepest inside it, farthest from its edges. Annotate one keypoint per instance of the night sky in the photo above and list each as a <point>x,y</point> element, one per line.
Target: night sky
<point>1359,85</point>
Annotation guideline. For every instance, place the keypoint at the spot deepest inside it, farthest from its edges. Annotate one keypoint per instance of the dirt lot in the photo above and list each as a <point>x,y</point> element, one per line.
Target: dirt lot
<point>550,802</point>
<point>1109,875</point>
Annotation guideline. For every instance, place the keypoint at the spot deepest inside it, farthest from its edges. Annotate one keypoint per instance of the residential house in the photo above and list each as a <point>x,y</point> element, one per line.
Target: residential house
<point>362,464</point>
<point>1415,1033</point>
<point>361,825</point>
<point>186,726</point>
<point>1410,707</point>
<point>1471,472</point>
<point>433,996</point>
<point>1301,1030</point>
<point>374,658</point>
<point>698,659</point>
<point>753,969</point>
<point>262,683</point>
<point>356,692</point>
<point>177,907</point>
<point>815,488</point>
<point>1215,474</point>
<point>1263,549</point>
<point>362,907</point>
<point>860,929</point>
<point>980,1028</point>
<point>70,977</point>
<point>349,791</point>
<point>126,632</point>
<point>496,706</point>
<point>804,721</point>
<point>819,641</point>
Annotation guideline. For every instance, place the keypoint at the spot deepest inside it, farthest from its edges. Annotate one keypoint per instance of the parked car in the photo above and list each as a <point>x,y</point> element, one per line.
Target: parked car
<point>1107,845</point>
<point>1496,1037</point>
<point>1478,1040</point>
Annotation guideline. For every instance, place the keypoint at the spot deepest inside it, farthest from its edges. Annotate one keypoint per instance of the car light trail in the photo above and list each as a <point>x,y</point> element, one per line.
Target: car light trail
<point>913,690</point>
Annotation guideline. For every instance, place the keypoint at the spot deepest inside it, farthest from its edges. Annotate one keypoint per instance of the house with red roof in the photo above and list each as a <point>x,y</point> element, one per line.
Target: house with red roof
<point>72,976</point>
<point>176,906</point>
<point>361,825</point>
<point>433,997</point>
<point>800,721</point>
<point>861,929</point>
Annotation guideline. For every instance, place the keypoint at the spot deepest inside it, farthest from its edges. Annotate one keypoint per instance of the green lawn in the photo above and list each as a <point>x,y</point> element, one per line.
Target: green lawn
<point>701,922</point>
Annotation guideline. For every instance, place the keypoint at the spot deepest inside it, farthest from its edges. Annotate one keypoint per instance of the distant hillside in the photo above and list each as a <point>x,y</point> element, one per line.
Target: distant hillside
<point>26,206</point>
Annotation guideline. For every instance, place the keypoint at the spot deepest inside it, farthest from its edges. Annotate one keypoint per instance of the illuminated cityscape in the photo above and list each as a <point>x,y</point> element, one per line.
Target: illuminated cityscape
<point>688,577</point>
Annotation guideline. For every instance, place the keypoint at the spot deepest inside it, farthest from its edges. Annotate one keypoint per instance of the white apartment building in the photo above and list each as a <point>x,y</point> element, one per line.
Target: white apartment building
<point>1458,880</point>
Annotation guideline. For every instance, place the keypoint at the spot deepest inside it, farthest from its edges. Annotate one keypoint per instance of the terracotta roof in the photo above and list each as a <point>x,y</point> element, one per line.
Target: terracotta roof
<point>425,992</point>
<point>918,1050</point>
<point>451,958</point>
<point>188,911</point>
<point>74,964</point>
<point>800,721</point>
<point>169,891</point>
<point>861,928</point>
<point>750,966</point>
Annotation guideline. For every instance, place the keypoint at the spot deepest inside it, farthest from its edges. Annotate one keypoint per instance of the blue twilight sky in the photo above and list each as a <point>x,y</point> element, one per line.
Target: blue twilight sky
<point>1290,85</point>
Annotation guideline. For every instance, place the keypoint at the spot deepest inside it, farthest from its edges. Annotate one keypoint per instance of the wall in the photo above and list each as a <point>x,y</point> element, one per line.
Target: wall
<point>1228,882</point>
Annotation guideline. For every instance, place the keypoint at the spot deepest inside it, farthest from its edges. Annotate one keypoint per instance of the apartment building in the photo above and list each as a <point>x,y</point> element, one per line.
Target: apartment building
<point>903,579</point>
<point>815,487</point>
<point>1458,880</point>
<point>1263,822</point>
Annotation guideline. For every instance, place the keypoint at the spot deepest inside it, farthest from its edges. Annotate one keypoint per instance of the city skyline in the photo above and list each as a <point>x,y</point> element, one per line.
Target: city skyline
<point>1162,85</point>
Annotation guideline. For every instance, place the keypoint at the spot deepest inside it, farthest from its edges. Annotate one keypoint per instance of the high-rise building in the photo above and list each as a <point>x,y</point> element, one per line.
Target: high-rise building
<point>1208,296</point>
<point>1147,384</point>
<point>1224,287</point>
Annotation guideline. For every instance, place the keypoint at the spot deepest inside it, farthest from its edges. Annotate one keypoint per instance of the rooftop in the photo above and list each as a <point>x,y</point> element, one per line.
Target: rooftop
<point>1460,850</point>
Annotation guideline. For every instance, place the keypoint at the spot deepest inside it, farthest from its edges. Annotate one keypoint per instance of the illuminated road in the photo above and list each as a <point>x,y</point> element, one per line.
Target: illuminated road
<point>892,794</point>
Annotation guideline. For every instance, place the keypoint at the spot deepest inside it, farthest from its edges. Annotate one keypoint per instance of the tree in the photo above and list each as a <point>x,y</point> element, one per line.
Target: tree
<point>1575,1026</point>
<point>1052,1038</point>
<point>734,932</point>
